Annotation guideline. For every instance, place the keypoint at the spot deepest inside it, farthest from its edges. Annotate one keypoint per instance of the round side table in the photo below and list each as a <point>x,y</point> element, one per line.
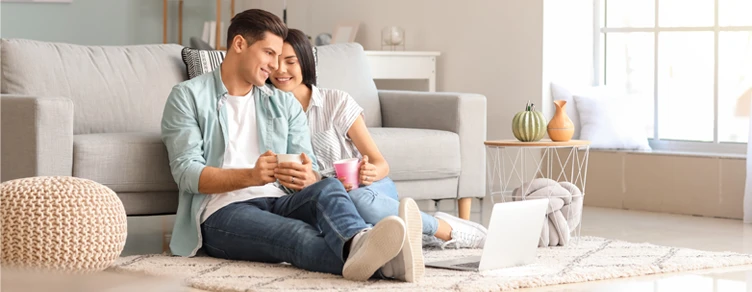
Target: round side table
<point>545,169</point>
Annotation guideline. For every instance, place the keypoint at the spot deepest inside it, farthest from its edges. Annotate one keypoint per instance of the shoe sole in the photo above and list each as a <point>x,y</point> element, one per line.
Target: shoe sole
<point>382,244</point>
<point>413,248</point>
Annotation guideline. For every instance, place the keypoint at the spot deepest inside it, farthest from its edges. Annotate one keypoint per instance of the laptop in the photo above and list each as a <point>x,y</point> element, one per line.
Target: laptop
<point>513,234</point>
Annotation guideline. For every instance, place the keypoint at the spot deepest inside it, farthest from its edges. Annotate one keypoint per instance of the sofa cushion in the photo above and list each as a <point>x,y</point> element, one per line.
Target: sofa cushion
<point>346,67</point>
<point>124,162</point>
<point>416,154</point>
<point>114,89</point>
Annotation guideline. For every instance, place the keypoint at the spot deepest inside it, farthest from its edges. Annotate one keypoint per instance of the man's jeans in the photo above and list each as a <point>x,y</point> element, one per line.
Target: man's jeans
<point>307,229</point>
<point>380,199</point>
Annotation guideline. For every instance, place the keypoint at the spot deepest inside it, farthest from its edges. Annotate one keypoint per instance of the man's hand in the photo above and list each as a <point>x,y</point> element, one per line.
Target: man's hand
<point>367,172</point>
<point>348,187</point>
<point>296,176</point>
<point>263,172</point>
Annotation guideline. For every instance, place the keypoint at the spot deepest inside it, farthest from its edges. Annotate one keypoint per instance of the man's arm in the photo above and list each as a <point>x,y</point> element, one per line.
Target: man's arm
<point>215,180</point>
<point>184,141</point>
<point>219,180</point>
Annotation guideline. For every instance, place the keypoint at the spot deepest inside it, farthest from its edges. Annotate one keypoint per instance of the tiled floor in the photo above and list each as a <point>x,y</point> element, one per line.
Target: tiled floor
<point>664,229</point>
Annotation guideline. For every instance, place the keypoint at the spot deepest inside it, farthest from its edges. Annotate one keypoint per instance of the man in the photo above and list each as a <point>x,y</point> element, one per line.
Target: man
<point>222,130</point>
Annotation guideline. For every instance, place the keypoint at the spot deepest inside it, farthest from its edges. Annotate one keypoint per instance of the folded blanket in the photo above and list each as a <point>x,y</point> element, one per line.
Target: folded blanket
<point>564,209</point>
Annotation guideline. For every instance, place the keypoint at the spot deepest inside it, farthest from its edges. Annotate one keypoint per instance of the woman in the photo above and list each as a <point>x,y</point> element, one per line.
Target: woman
<point>338,131</point>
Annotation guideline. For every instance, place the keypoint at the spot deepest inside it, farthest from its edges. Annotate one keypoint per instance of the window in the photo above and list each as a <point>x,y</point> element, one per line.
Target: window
<point>688,63</point>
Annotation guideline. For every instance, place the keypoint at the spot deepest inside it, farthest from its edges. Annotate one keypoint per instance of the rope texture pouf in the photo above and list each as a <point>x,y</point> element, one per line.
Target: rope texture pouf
<point>564,208</point>
<point>61,224</point>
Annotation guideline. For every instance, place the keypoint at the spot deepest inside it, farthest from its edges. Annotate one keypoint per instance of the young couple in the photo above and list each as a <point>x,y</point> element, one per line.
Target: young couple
<point>223,130</point>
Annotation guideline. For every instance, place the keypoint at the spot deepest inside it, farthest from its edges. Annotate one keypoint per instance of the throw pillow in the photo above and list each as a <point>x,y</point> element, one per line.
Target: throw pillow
<point>611,122</point>
<point>199,62</point>
<point>567,93</point>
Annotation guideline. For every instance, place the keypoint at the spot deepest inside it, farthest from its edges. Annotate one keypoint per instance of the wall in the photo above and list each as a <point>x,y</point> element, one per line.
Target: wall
<point>567,47</point>
<point>489,47</point>
<point>709,186</point>
<point>102,22</point>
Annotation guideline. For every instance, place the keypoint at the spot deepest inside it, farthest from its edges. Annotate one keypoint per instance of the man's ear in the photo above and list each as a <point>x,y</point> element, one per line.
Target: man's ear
<point>238,43</point>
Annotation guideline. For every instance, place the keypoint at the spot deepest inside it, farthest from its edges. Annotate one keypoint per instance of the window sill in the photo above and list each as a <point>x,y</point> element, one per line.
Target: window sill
<point>676,153</point>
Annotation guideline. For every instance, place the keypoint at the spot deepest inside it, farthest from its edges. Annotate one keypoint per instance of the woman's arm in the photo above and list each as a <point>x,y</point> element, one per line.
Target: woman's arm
<point>366,146</point>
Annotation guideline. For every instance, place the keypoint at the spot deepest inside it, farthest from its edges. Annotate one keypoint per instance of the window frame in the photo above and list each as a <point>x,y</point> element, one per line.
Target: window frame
<point>600,34</point>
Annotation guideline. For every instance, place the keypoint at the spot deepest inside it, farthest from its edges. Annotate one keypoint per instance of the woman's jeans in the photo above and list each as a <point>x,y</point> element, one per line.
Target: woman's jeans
<point>307,229</point>
<point>380,200</point>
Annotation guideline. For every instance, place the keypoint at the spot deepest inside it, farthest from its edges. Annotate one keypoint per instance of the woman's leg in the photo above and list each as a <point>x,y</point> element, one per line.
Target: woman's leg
<point>246,231</point>
<point>380,199</point>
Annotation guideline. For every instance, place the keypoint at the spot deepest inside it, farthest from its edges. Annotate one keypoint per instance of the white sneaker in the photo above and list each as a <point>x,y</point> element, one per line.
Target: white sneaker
<point>465,233</point>
<point>372,248</point>
<point>408,264</point>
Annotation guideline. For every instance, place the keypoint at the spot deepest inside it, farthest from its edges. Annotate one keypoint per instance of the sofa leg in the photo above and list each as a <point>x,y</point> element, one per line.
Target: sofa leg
<point>464,207</point>
<point>166,236</point>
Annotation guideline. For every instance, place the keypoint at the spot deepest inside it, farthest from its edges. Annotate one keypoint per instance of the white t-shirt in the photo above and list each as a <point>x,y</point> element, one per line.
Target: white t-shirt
<point>330,114</point>
<point>242,152</point>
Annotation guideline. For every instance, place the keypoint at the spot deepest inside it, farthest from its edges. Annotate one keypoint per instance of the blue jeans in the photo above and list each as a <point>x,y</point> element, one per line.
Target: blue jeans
<point>380,199</point>
<point>307,229</point>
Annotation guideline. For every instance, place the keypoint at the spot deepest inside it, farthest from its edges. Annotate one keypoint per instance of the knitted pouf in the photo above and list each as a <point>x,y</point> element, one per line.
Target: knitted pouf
<point>63,224</point>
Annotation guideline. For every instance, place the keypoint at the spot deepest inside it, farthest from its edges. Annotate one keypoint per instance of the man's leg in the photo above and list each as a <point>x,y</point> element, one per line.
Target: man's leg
<point>244,231</point>
<point>380,199</point>
<point>327,206</point>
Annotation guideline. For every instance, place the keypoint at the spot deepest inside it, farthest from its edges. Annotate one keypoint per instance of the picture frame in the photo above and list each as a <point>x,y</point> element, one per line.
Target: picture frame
<point>345,32</point>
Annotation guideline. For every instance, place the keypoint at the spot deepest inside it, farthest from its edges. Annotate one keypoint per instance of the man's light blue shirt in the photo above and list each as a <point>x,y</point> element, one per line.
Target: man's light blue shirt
<point>194,130</point>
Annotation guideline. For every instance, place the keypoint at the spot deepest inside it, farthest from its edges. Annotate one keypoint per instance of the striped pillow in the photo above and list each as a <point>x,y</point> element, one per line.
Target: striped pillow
<point>198,62</point>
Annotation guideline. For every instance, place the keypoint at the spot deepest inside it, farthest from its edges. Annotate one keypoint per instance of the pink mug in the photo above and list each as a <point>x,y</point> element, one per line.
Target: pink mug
<point>348,168</point>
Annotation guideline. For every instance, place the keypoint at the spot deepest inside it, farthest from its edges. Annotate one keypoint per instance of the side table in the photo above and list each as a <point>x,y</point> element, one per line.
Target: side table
<point>534,170</point>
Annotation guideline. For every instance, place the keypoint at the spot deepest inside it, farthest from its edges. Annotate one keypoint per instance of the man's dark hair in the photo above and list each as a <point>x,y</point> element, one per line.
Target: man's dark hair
<point>252,24</point>
<point>303,49</point>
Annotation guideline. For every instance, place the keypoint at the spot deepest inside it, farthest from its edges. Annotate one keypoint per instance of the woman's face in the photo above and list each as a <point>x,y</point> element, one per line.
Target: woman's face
<point>289,75</point>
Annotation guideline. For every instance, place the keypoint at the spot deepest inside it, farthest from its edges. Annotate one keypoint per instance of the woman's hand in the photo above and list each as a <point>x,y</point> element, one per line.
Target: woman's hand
<point>367,172</point>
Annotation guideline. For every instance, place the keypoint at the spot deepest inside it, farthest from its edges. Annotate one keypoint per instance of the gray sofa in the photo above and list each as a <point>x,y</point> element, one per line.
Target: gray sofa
<point>94,112</point>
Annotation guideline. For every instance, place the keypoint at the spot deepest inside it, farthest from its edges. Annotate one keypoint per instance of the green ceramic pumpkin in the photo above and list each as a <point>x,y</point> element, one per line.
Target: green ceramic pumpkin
<point>529,125</point>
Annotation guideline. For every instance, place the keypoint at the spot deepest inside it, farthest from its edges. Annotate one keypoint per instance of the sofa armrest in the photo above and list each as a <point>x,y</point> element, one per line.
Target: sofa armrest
<point>36,136</point>
<point>461,113</point>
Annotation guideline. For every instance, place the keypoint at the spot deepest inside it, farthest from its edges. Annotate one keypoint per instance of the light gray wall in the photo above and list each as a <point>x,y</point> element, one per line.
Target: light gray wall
<point>103,22</point>
<point>491,47</point>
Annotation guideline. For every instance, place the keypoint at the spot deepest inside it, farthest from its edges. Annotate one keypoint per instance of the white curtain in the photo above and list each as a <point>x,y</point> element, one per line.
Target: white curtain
<point>748,184</point>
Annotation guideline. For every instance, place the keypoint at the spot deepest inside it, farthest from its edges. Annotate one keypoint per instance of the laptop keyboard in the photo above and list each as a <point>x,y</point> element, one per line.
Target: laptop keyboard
<point>468,265</point>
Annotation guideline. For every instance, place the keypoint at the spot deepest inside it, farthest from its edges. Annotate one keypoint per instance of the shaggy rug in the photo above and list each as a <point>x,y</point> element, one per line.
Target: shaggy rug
<point>589,259</point>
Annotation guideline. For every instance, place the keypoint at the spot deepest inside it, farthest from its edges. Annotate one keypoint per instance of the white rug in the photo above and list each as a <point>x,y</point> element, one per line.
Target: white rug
<point>591,259</point>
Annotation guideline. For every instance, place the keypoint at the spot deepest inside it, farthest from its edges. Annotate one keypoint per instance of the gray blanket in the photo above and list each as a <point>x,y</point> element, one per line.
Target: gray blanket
<point>564,210</point>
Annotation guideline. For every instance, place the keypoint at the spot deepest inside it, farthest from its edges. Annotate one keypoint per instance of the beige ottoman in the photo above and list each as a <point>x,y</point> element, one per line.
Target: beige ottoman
<point>63,224</point>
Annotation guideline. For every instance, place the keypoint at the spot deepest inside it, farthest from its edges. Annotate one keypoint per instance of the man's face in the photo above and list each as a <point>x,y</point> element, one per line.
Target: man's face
<point>259,60</point>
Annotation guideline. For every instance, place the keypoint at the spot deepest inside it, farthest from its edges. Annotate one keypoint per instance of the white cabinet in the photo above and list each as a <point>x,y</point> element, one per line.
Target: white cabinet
<point>404,65</point>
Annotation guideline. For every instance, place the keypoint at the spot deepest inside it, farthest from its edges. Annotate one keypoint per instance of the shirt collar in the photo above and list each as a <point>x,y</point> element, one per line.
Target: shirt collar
<point>316,99</point>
